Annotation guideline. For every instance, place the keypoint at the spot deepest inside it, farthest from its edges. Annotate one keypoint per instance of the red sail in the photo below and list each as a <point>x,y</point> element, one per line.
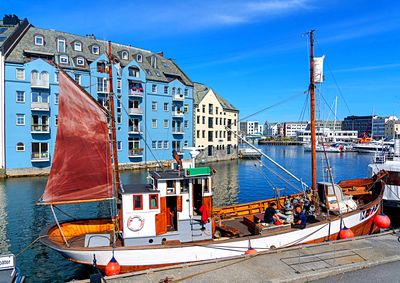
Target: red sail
<point>81,169</point>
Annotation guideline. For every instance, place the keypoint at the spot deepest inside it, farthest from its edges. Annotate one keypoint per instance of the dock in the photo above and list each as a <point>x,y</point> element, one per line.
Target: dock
<point>295,264</point>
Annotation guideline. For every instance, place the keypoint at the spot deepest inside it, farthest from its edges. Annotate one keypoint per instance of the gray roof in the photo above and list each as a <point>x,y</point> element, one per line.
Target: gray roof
<point>5,31</point>
<point>166,69</point>
<point>200,91</point>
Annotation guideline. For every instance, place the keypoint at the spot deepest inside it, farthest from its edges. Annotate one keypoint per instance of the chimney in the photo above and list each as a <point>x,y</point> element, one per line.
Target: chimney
<point>10,20</point>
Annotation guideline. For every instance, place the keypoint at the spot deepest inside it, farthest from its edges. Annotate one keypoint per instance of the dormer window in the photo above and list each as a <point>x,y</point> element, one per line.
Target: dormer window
<point>95,49</point>
<point>153,61</point>
<point>139,58</point>
<point>39,40</point>
<point>80,61</point>
<point>61,45</point>
<point>124,55</point>
<point>78,46</point>
<point>63,59</point>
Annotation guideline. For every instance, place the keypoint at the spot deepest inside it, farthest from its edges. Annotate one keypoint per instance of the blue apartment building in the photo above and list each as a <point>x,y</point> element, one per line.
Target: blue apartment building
<point>153,97</point>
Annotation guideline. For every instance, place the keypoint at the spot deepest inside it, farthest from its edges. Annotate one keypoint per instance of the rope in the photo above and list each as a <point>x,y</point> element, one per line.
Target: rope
<point>31,244</point>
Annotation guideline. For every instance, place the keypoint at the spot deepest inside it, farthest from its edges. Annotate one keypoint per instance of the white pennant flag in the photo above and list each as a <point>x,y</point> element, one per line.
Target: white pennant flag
<point>319,69</point>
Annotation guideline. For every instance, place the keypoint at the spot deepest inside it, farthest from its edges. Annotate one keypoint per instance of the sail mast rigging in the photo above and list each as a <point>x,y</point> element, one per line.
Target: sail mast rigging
<point>113,130</point>
<point>312,115</point>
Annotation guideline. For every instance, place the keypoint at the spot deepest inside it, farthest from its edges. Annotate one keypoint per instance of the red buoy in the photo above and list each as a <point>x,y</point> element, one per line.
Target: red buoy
<point>250,250</point>
<point>346,233</point>
<point>382,221</point>
<point>113,267</point>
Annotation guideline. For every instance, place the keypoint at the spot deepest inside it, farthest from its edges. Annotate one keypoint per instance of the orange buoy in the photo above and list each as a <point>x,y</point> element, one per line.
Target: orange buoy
<point>346,233</point>
<point>113,267</point>
<point>382,221</point>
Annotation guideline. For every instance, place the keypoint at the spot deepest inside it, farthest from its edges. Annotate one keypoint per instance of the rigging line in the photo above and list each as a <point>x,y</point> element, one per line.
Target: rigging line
<point>30,245</point>
<point>144,140</point>
<point>63,212</point>
<point>271,106</point>
<point>284,180</point>
<point>334,80</point>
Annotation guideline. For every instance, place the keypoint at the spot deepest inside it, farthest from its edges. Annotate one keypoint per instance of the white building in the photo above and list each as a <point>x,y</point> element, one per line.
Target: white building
<point>290,129</point>
<point>250,128</point>
<point>212,115</point>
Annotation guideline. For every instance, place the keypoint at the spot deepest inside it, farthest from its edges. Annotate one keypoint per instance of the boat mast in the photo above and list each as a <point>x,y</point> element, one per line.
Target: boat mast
<point>113,131</point>
<point>312,115</point>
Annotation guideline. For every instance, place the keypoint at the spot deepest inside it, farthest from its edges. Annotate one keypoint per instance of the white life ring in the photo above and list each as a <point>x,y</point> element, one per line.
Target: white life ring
<point>135,223</point>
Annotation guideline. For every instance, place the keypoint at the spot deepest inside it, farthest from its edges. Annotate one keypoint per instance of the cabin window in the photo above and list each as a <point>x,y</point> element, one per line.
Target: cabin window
<point>170,187</point>
<point>206,186</point>
<point>153,201</point>
<point>184,186</point>
<point>137,202</point>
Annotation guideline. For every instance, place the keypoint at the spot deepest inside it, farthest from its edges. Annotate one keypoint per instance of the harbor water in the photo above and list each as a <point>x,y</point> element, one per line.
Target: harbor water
<point>236,181</point>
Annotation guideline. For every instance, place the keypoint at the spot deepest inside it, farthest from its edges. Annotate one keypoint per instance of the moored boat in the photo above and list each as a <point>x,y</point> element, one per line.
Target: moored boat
<point>171,219</point>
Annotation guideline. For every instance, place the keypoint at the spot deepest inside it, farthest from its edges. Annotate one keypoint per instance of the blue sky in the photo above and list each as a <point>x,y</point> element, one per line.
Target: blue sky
<point>254,53</point>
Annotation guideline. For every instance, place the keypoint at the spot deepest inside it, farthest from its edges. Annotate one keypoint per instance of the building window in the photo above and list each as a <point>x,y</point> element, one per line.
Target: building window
<point>198,119</point>
<point>210,109</point>
<point>159,144</point>
<point>198,134</point>
<point>78,46</point>
<point>95,49</point>
<point>166,106</point>
<point>173,91</point>
<point>56,77</point>
<point>216,110</point>
<point>154,123</point>
<point>134,72</point>
<point>186,91</point>
<point>40,97</point>
<point>137,202</point>
<point>210,122</point>
<point>203,134</point>
<point>204,108</point>
<point>61,45</point>
<point>78,78</point>
<point>210,136</point>
<point>20,119</point>
<point>153,88</point>
<point>185,108</point>
<point>139,58</point>
<point>125,55</point>
<point>20,146</point>
<point>204,120</point>
<point>166,123</point>
<point>20,96</point>
<point>185,143</point>
<point>40,150</point>
<point>154,144</point>
<point>154,105</point>
<point>63,59</point>
<point>119,86</point>
<point>20,74</point>
<point>39,40</point>
<point>166,144</point>
<point>56,120</point>
<point>153,61</point>
<point>186,124</point>
<point>56,98</point>
<point>216,121</point>
<point>119,145</point>
<point>80,61</point>
<point>102,85</point>
<point>165,89</point>
<point>153,201</point>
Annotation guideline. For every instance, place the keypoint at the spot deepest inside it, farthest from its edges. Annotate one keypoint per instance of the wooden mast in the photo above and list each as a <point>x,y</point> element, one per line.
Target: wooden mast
<point>113,131</point>
<point>312,116</point>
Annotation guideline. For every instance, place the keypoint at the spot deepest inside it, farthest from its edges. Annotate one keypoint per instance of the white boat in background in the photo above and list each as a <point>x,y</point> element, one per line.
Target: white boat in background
<point>331,148</point>
<point>248,153</point>
<point>372,147</point>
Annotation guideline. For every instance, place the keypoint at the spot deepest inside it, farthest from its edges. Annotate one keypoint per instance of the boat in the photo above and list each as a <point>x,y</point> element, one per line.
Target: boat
<point>171,219</point>
<point>249,153</point>
<point>372,147</point>
<point>331,148</point>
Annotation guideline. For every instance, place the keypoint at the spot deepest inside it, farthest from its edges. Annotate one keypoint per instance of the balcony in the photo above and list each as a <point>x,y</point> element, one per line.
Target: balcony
<point>178,97</point>
<point>135,92</point>
<point>135,111</point>
<point>40,129</point>
<point>40,157</point>
<point>37,83</point>
<point>177,114</point>
<point>177,131</point>
<point>135,152</point>
<point>40,106</point>
<point>135,130</point>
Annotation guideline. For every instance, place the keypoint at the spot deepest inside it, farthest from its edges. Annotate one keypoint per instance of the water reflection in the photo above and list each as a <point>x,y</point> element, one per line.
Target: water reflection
<point>4,242</point>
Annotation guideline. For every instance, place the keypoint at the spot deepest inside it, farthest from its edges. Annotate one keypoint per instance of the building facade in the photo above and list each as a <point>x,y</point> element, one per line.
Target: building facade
<point>328,135</point>
<point>250,128</point>
<point>290,129</point>
<point>361,124</point>
<point>153,97</point>
<point>379,126</point>
<point>392,129</point>
<point>212,116</point>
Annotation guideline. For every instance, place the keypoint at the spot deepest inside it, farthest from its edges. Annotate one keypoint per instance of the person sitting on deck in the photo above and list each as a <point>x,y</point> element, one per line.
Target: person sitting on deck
<point>300,219</point>
<point>270,215</point>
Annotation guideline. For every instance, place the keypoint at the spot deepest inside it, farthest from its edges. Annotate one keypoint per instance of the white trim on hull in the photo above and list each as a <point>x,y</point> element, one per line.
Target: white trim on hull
<point>218,250</point>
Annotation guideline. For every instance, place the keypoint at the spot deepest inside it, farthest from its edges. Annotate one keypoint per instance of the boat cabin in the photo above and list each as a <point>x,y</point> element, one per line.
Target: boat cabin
<point>175,207</point>
<point>332,197</point>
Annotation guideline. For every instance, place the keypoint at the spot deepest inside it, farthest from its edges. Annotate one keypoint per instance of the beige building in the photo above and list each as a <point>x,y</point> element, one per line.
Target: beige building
<point>212,114</point>
<point>392,129</point>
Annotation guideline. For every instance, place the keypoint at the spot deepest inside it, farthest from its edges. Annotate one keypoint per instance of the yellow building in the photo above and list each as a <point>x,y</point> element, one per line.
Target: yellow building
<point>392,128</point>
<point>212,116</point>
